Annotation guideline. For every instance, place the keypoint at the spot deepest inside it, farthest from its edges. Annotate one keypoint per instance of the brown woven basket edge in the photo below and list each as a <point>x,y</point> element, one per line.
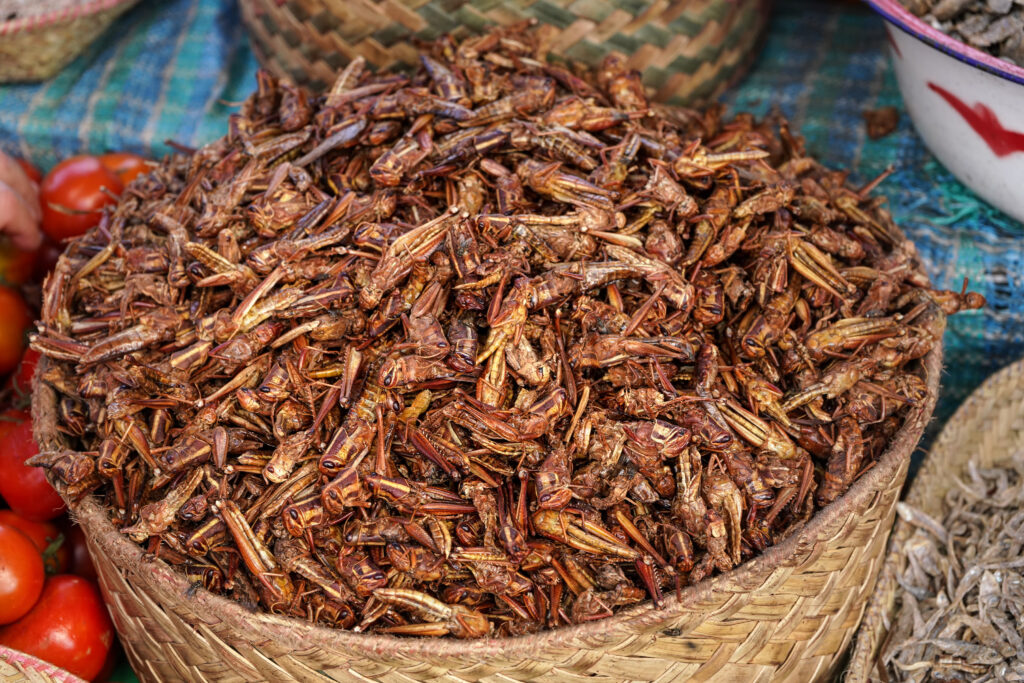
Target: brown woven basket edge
<point>644,618</point>
<point>70,13</point>
<point>22,660</point>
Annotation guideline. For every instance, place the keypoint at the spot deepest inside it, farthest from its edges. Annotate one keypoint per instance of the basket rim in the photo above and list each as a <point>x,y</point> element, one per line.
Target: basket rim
<point>37,665</point>
<point>980,398</point>
<point>73,11</point>
<point>867,642</point>
<point>644,616</point>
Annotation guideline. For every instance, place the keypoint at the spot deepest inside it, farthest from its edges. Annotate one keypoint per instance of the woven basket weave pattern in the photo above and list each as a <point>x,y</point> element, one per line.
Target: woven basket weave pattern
<point>37,48</point>
<point>790,612</point>
<point>987,428</point>
<point>18,667</point>
<point>687,50</point>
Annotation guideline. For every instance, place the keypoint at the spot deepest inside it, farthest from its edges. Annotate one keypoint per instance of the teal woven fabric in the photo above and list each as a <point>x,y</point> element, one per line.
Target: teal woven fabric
<point>171,70</point>
<point>166,70</point>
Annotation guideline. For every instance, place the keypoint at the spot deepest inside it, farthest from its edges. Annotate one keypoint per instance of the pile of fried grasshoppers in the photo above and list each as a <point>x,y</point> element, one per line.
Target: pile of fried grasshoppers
<point>492,348</point>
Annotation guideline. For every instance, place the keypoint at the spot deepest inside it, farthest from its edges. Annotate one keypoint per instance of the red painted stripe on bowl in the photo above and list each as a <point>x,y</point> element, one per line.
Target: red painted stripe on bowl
<point>898,15</point>
<point>1001,140</point>
<point>892,43</point>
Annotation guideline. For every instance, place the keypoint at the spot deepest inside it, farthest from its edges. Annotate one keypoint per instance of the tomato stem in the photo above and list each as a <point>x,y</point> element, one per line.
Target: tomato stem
<point>51,553</point>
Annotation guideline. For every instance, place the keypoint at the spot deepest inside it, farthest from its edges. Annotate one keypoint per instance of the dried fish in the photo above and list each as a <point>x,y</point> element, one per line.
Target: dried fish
<point>996,26</point>
<point>961,611</point>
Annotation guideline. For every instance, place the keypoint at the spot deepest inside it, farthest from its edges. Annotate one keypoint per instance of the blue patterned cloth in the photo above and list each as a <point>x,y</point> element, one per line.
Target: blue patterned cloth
<point>172,69</point>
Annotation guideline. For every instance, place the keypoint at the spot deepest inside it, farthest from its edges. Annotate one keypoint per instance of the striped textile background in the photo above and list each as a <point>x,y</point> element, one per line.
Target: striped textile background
<point>172,69</point>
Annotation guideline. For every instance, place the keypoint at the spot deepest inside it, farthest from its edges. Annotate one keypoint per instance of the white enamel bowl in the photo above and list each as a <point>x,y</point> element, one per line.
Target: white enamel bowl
<point>967,105</point>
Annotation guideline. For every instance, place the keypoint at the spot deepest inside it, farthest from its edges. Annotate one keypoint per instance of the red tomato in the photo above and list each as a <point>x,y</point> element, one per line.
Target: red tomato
<point>21,574</point>
<point>46,537</point>
<point>23,487</point>
<point>16,266</point>
<point>69,627</point>
<point>46,258</point>
<point>31,171</point>
<point>15,319</point>
<point>81,561</point>
<point>72,194</point>
<point>127,166</point>
<point>22,379</point>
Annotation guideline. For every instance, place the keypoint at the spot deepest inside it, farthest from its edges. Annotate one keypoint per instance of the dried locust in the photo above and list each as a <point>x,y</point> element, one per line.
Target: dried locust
<point>492,347</point>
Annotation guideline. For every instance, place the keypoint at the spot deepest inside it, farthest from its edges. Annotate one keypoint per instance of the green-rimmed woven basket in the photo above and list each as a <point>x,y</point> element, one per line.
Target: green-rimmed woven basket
<point>689,51</point>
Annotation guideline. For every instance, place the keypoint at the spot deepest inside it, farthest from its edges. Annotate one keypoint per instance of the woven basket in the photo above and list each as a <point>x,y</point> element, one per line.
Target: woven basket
<point>988,427</point>
<point>689,51</point>
<point>787,614</point>
<point>39,37</point>
<point>17,666</point>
